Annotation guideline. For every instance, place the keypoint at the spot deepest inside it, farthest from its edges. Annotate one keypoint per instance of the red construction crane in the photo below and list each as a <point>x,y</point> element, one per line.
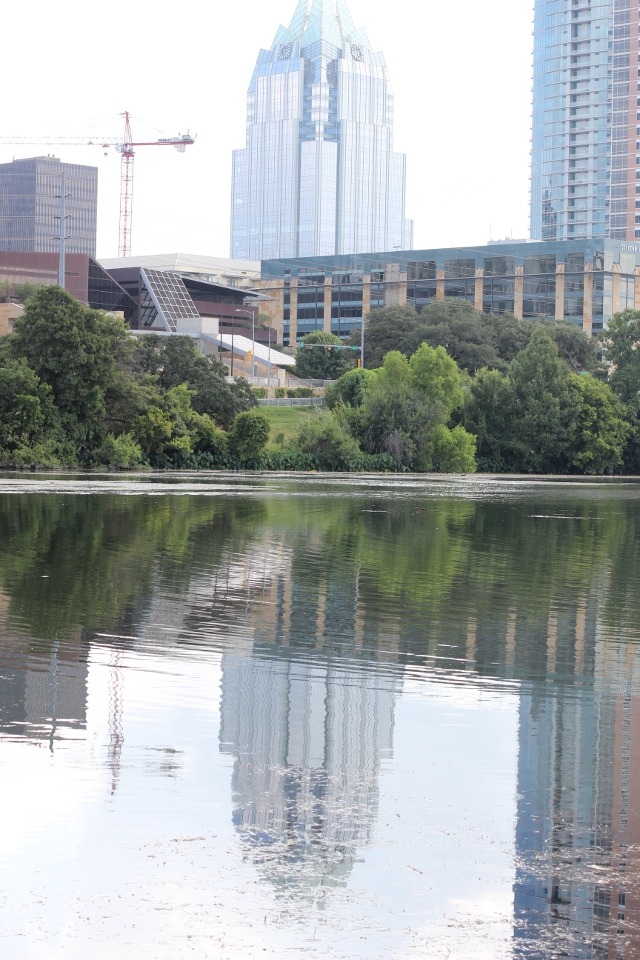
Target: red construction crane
<point>126,151</point>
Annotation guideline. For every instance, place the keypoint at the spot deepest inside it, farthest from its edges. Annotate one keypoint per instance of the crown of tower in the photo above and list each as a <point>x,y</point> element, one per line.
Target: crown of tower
<point>328,20</point>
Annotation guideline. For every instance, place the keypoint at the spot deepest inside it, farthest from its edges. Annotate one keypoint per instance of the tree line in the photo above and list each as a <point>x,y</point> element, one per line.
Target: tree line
<point>534,396</point>
<point>449,389</point>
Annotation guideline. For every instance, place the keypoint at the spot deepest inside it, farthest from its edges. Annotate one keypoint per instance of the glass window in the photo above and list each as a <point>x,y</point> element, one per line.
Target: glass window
<point>539,297</point>
<point>574,308</point>
<point>499,266</point>
<point>574,263</point>
<point>348,275</point>
<point>376,295</point>
<point>498,295</point>
<point>574,284</point>
<point>540,264</point>
<point>459,268</point>
<point>421,270</point>
<point>306,277</point>
<point>462,289</point>
<point>420,294</point>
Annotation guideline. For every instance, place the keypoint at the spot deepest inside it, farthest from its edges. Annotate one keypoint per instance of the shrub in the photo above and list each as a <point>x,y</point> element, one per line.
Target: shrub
<point>249,435</point>
<point>450,451</point>
<point>350,389</point>
<point>325,437</point>
<point>120,452</point>
<point>48,453</point>
<point>260,393</point>
<point>280,393</point>
<point>206,437</point>
<point>300,392</point>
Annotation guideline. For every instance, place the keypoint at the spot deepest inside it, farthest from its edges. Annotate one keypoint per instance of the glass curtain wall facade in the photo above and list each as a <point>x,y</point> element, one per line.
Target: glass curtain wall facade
<point>585,163</point>
<point>319,175</point>
<point>582,281</point>
<point>30,206</point>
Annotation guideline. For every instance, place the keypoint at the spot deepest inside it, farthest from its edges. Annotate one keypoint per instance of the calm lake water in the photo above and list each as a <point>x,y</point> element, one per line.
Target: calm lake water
<point>351,717</point>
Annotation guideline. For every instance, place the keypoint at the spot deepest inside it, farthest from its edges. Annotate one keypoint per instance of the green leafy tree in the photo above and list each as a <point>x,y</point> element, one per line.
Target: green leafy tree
<point>29,421</point>
<point>527,421</point>
<point>602,429</point>
<point>176,360</point>
<point>450,450</point>
<point>546,407</point>
<point>350,390</point>
<point>207,436</point>
<point>407,401</point>
<point>249,435</point>
<point>394,417</point>
<point>488,413</point>
<point>436,375</point>
<point>74,350</point>
<point>325,436</point>
<point>384,330</point>
<point>621,348</point>
<point>318,364</point>
<point>166,430</point>
<point>24,291</point>
<point>467,335</point>
<point>574,346</point>
<point>472,338</point>
<point>122,452</point>
<point>153,430</point>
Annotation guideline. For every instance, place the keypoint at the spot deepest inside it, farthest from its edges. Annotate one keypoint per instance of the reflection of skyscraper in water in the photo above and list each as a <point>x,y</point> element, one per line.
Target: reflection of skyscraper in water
<point>308,728</point>
<point>578,826</point>
<point>308,737</point>
<point>42,697</point>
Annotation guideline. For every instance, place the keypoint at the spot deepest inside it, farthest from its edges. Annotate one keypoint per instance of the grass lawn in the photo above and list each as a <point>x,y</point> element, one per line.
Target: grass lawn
<point>285,420</point>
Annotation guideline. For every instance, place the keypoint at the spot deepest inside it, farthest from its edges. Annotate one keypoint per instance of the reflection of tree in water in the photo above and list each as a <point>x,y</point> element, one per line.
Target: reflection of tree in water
<point>329,603</point>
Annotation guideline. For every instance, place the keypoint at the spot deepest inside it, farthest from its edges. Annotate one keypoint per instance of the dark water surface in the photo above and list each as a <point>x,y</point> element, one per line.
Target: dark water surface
<point>353,717</point>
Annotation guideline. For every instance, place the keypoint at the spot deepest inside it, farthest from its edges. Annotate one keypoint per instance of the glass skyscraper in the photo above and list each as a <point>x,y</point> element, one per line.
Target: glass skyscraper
<point>585,161</point>
<point>319,175</point>
<point>30,206</point>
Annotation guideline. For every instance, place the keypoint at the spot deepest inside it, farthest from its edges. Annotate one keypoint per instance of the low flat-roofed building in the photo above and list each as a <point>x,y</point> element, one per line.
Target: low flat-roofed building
<point>230,273</point>
<point>189,298</point>
<point>583,281</point>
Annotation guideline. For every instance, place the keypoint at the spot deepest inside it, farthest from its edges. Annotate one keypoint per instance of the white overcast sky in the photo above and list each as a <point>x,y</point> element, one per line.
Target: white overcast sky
<point>461,74</point>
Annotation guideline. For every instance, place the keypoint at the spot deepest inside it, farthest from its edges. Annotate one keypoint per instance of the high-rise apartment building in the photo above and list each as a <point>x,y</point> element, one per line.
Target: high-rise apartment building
<point>318,174</point>
<point>30,206</point>
<point>585,162</point>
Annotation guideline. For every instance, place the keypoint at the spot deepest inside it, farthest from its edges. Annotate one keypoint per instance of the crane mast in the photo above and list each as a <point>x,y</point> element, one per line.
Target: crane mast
<point>126,189</point>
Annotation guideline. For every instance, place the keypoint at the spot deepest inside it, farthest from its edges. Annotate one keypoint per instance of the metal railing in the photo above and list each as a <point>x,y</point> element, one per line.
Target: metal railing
<point>290,383</point>
<point>293,402</point>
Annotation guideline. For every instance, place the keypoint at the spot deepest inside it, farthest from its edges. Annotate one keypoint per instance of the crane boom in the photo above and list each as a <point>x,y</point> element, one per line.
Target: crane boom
<point>126,150</point>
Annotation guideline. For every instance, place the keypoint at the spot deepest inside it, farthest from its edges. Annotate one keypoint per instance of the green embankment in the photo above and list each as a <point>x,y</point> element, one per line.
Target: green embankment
<point>285,420</point>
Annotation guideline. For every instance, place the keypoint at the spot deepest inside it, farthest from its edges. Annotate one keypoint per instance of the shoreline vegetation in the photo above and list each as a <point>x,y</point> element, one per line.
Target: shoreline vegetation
<point>447,390</point>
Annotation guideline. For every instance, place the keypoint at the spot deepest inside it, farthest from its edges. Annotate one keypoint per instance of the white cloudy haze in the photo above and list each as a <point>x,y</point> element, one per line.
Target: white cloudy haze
<point>460,73</point>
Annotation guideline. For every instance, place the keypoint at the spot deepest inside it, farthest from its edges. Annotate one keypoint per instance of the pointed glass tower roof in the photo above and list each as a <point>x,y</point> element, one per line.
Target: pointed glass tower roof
<point>328,20</point>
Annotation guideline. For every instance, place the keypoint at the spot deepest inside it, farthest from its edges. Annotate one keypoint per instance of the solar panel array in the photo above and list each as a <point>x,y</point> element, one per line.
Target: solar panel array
<point>170,296</point>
